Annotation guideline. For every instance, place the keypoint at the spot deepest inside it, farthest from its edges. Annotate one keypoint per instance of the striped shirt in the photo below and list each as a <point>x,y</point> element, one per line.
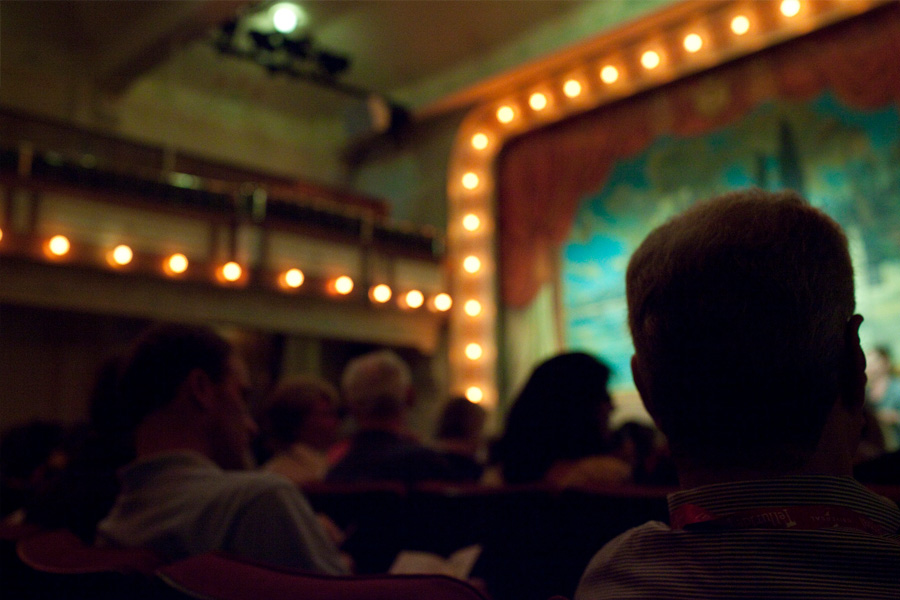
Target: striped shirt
<point>745,561</point>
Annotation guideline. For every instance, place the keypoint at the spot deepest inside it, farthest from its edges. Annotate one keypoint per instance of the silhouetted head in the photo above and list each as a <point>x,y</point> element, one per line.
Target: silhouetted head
<point>191,375</point>
<point>377,387</point>
<point>303,409</point>
<point>740,309</point>
<point>562,413</point>
<point>461,419</point>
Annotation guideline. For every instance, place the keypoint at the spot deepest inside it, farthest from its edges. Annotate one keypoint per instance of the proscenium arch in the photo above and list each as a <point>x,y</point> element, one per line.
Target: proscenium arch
<point>681,40</point>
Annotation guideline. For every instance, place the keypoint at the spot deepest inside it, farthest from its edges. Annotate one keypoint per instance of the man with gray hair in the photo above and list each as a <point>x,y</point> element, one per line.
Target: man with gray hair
<point>378,389</point>
<point>747,356</point>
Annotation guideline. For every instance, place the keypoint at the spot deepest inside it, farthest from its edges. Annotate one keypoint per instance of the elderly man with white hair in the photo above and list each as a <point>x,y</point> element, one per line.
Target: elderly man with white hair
<point>378,389</point>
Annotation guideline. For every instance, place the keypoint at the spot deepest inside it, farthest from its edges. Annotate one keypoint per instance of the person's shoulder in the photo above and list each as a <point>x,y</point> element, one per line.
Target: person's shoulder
<point>256,483</point>
<point>620,553</point>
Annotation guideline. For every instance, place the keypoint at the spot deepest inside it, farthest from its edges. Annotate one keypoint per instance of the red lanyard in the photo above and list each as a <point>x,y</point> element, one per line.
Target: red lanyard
<point>691,516</point>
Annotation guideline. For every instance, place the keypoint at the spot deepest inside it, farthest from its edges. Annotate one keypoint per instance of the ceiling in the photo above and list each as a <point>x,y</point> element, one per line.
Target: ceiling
<point>413,51</point>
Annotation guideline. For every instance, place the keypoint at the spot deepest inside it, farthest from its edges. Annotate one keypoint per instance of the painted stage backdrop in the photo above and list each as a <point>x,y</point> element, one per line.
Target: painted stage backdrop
<point>845,161</point>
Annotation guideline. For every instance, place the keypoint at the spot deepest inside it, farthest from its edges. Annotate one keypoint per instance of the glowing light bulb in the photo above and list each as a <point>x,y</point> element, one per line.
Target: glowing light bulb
<point>293,278</point>
<point>472,264</point>
<point>740,25</point>
<point>537,101</point>
<point>176,264</point>
<point>343,285</point>
<point>472,308</point>
<point>572,88</point>
<point>122,255</point>
<point>380,293</point>
<point>471,222</point>
<point>475,394</point>
<point>443,302</point>
<point>480,141</point>
<point>505,114</point>
<point>286,17</point>
<point>1,234</point>
<point>790,8</point>
<point>609,74</point>
<point>59,245</point>
<point>415,299</point>
<point>470,181</point>
<point>693,42</point>
<point>231,271</point>
<point>650,59</point>
<point>474,351</point>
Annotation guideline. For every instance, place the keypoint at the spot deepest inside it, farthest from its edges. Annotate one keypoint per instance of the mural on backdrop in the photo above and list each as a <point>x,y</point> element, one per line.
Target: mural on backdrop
<point>845,161</point>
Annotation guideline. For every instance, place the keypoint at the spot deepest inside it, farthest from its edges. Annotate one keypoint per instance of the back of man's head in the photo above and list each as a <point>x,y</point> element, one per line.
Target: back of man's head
<point>738,309</point>
<point>377,386</point>
<point>159,362</point>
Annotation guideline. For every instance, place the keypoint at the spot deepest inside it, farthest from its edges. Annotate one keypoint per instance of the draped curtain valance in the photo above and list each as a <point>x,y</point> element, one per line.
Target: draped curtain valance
<point>543,175</point>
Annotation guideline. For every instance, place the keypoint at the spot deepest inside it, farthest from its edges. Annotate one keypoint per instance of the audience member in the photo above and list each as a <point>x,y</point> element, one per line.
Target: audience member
<point>378,390</point>
<point>747,355</point>
<point>183,388</point>
<point>883,395</point>
<point>557,430</point>
<point>460,437</point>
<point>301,422</point>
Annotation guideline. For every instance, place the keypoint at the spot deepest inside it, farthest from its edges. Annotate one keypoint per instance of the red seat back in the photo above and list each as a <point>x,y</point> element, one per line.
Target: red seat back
<point>219,577</point>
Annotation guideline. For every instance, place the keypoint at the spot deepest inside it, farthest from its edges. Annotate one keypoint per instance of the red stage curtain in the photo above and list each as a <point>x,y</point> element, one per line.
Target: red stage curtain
<point>543,175</point>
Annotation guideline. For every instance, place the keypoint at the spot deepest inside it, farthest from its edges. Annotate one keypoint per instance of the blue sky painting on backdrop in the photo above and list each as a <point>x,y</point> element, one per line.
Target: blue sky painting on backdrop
<point>845,161</point>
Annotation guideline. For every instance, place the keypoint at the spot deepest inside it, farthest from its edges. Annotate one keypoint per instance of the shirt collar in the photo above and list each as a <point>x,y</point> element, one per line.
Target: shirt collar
<point>808,490</point>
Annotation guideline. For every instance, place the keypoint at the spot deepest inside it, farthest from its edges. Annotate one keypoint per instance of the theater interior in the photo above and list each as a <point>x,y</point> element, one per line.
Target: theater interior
<point>460,181</point>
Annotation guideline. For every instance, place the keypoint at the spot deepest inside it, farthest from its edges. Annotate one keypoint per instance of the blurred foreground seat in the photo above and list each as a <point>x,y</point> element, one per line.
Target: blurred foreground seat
<point>215,576</point>
<point>57,564</point>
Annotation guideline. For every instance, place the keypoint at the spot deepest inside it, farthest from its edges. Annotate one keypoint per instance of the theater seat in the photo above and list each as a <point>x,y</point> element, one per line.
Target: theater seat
<point>62,552</point>
<point>215,576</point>
<point>59,565</point>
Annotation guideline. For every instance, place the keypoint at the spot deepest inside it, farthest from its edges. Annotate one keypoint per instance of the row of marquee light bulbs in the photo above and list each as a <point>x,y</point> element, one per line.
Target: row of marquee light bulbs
<point>693,42</point>
<point>59,246</point>
<point>740,24</point>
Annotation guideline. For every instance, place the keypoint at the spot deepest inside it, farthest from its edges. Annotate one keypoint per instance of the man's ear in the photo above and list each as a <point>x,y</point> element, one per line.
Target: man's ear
<point>638,372</point>
<point>200,388</point>
<point>853,371</point>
